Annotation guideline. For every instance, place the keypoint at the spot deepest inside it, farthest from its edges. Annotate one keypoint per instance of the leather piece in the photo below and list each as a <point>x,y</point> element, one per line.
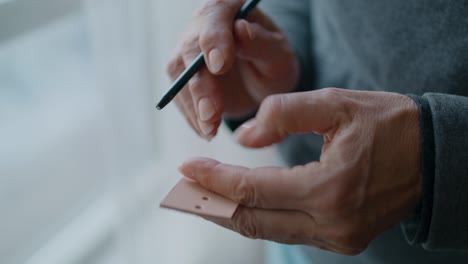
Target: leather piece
<point>189,197</point>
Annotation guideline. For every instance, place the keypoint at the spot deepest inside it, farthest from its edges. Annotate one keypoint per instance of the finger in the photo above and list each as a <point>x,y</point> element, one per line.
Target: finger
<point>260,51</point>
<point>263,48</point>
<point>183,100</point>
<point>208,100</point>
<point>175,66</point>
<point>318,111</point>
<point>216,37</point>
<point>287,227</point>
<point>259,17</point>
<point>205,93</point>
<point>267,187</point>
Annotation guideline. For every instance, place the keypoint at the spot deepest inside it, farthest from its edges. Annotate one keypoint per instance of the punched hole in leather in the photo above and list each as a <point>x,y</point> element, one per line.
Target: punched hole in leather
<point>189,197</point>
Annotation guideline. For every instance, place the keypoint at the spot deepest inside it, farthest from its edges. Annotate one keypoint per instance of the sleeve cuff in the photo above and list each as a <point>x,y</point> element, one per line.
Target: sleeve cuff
<point>416,229</point>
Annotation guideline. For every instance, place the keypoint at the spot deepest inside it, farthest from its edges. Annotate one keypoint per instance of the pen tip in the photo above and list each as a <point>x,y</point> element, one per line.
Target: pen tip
<point>162,104</point>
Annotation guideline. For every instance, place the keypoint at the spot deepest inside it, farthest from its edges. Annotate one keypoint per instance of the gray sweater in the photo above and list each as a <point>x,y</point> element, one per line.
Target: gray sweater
<point>413,47</point>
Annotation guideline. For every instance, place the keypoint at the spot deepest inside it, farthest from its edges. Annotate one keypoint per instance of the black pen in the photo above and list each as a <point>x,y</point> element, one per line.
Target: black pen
<point>190,71</point>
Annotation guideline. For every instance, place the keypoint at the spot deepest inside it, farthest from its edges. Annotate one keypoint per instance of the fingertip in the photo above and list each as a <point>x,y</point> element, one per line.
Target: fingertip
<point>253,135</point>
<point>190,166</point>
<point>209,129</point>
<point>196,160</point>
<point>186,171</point>
<point>206,109</point>
<point>243,134</point>
<point>218,50</point>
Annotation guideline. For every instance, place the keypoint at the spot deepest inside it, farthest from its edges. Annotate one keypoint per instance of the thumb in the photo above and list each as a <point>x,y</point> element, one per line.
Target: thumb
<point>263,48</point>
<point>293,113</point>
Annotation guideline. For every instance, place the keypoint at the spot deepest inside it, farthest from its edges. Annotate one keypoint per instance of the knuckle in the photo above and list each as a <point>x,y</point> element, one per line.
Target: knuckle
<point>209,182</point>
<point>340,100</point>
<point>210,35</point>
<point>195,83</point>
<point>189,46</point>
<point>273,114</point>
<point>183,100</point>
<point>304,191</point>
<point>246,225</point>
<point>272,105</point>
<point>211,6</point>
<point>330,93</point>
<point>212,31</point>
<point>172,67</point>
<point>246,194</point>
<point>330,96</point>
<point>203,84</point>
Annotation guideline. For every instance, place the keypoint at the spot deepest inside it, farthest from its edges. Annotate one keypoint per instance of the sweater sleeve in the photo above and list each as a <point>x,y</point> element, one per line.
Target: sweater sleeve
<point>441,221</point>
<point>293,18</point>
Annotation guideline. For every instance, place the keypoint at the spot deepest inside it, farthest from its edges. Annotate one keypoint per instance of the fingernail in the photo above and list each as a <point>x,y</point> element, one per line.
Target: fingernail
<point>187,172</point>
<point>249,124</point>
<point>188,168</point>
<point>206,129</point>
<point>245,129</point>
<point>216,60</point>
<point>206,109</point>
<point>249,30</point>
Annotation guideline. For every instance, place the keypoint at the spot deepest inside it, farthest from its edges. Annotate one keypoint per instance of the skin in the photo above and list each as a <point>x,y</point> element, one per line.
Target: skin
<point>368,176</point>
<point>247,61</point>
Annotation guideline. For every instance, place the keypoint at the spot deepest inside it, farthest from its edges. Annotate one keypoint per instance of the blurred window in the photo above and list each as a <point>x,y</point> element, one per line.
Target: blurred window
<point>61,137</point>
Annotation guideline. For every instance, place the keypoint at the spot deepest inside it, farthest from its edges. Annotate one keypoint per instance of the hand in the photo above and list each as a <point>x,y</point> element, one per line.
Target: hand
<point>247,60</point>
<point>367,179</point>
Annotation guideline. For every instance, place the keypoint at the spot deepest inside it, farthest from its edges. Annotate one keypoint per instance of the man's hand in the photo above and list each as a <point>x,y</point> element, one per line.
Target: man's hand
<point>247,60</point>
<point>367,179</point>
